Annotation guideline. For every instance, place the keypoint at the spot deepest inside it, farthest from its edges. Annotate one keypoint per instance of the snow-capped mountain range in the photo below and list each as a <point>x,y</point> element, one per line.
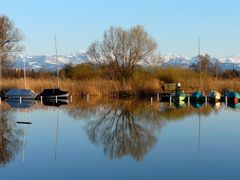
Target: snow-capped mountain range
<point>49,63</point>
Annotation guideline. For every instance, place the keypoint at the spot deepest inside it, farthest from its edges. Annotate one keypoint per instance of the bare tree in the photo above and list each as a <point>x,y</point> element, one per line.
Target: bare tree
<point>120,51</point>
<point>10,38</point>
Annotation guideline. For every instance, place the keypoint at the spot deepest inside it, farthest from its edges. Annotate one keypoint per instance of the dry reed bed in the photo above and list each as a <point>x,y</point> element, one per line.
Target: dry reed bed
<point>102,87</point>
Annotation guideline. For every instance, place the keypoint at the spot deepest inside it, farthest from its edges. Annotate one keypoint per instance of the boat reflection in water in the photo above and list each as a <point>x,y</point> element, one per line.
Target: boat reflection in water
<point>17,103</point>
<point>215,105</point>
<point>233,105</point>
<point>52,102</point>
<point>197,104</point>
<point>180,104</point>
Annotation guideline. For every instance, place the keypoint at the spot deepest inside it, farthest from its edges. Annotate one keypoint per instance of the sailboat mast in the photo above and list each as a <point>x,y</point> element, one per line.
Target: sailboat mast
<point>200,63</point>
<point>24,74</point>
<point>57,61</point>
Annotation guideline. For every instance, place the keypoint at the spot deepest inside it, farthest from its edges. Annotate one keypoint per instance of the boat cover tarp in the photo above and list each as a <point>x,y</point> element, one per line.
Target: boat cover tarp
<point>232,94</point>
<point>197,95</point>
<point>214,94</point>
<point>20,92</point>
<point>52,92</point>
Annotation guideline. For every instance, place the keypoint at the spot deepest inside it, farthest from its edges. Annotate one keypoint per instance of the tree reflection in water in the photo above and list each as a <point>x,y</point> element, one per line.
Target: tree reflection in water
<point>10,137</point>
<point>121,132</point>
<point>128,127</point>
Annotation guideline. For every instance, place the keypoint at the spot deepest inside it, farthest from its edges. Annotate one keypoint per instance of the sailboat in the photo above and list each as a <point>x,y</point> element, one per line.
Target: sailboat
<point>24,94</point>
<point>55,93</point>
<point>198,96</point>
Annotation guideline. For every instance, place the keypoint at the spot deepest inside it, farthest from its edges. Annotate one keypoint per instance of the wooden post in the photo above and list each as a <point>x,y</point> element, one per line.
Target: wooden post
<point>71,99</point>
<point>226,100</point>
<point>206,101</point>
<point>188,100</point>
<point>158,99</point>
<point>151,101</point>
<point>20,100</point>
<point>56,99</point>
<point>87,97</point>
<point>41,99</point>
<point>0,100</point>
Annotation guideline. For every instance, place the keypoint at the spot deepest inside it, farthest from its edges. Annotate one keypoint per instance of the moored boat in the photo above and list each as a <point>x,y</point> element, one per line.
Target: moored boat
<point>53,94</point>
<point>179,96</point>
<point>20,94</point>
<point>197,96</point>
<point>214,96</point>
<point>233,96</point>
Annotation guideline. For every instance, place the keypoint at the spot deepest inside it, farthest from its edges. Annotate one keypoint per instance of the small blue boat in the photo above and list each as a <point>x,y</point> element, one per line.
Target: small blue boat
<point>197,96</point>
<point>233,96</point>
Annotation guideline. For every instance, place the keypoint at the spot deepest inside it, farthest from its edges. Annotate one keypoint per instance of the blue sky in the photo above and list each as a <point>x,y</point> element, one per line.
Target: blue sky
<point>175,24</point>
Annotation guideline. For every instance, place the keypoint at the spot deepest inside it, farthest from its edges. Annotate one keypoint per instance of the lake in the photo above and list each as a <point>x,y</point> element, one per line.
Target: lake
<point>119,139</point>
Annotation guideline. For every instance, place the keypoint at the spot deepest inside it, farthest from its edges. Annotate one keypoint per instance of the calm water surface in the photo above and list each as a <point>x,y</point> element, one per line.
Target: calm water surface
<point>128,139</point>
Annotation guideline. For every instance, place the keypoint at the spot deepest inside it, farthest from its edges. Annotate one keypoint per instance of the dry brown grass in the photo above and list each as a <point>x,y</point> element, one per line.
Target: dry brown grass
<point>102,87</point>
<point>96,87</point>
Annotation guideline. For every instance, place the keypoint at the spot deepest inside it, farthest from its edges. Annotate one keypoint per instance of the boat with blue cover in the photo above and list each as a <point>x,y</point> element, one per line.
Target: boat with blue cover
<point>20,93</point>
<point>197,96</point>
<point>232,96</point>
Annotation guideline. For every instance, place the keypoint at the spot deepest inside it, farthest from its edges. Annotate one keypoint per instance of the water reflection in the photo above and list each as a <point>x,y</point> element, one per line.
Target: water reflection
<point>121,132</point>
<point>16,103</point>
<point>130,127</point>
<point>120,127</point>
<point>10,136</point>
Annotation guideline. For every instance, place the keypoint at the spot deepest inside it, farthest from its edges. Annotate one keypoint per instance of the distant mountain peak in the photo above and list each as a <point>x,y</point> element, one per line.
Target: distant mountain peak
<point>49,63</point>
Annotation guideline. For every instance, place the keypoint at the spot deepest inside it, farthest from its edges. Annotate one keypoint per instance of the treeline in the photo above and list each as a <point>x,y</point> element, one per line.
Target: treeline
<point>88,71</point>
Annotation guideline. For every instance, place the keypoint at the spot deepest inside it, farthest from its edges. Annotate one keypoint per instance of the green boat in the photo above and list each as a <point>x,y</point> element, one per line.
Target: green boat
<point>179,96</point>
